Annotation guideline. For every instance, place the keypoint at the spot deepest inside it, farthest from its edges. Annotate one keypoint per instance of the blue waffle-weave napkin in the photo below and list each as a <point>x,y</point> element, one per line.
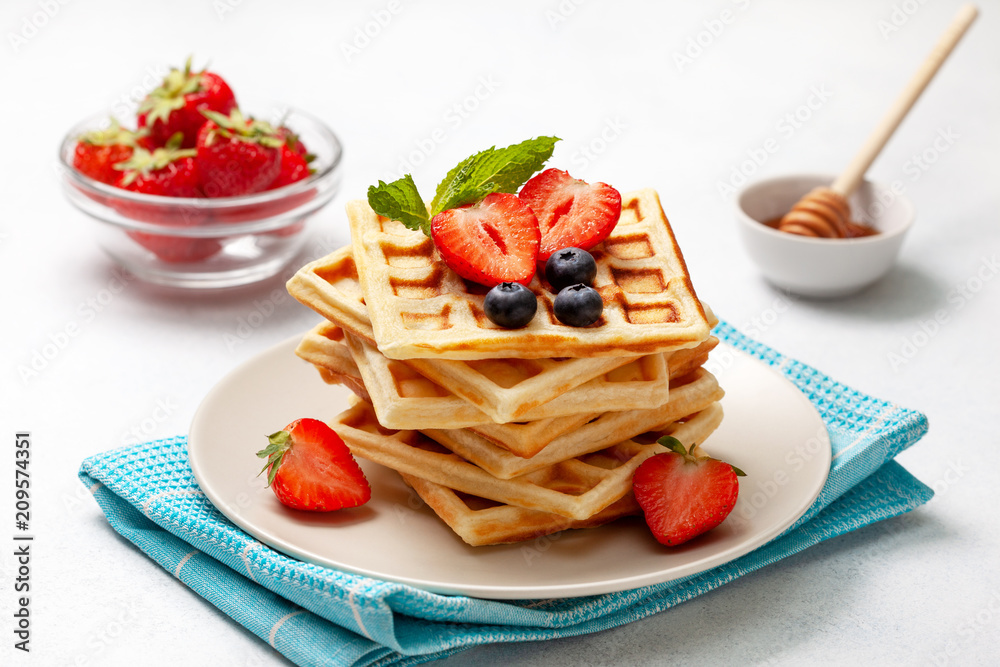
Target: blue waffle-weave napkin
<point>320,616</point>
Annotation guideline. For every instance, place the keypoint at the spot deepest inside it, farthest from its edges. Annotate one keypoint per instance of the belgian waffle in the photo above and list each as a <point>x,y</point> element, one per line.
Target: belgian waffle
<point>406,399</point>
<point>323,347</point>
<point>484,422</point>
<point>576,488</point>
<point>642,383</point>
<point>698,395</point>
<point>419,308</point>
<point>479,521</point>
<point>511,389</point>
<point>330,286</point>
<point>508,387</point>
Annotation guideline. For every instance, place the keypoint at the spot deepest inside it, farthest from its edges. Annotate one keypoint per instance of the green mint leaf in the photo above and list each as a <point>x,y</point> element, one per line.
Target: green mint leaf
<point>401,201</point>
<point>492,170</point>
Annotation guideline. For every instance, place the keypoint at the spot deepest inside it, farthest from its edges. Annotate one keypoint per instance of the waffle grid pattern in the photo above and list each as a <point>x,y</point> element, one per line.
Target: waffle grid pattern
<point>576,488</point>
<point>650,305</point>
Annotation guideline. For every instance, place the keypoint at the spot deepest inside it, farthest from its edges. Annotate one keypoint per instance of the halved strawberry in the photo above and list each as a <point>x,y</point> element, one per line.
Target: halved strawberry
<point>682,495</point>
<point>571,213</point>
<point>310,468</point>
<point>492,242</point>
<point>176,105</point>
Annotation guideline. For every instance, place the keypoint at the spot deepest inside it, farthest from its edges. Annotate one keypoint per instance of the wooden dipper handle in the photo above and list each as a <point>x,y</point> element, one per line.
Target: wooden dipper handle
<point>855,171</point>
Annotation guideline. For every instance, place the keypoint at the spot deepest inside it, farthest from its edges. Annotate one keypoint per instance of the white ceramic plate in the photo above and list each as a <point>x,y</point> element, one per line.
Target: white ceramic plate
<point>770,430</point>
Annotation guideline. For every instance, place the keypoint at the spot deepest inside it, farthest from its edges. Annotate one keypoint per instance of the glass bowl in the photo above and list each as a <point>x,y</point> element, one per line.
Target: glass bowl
<point>208,243</point>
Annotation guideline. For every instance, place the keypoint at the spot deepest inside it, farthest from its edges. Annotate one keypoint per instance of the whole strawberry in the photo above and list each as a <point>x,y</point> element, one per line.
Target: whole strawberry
<point>177,104</point>
<point>98,151</point>
<point>177,249</point>
<point>682,495</point>
<point>294,165</point>
<point>294,142</point>
<point>310,468</point>
<point>237,155</point>
<point>167,172</point>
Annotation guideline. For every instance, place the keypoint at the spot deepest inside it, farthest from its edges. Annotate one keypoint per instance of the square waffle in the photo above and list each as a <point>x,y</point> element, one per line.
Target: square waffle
<point>324,347</point>
<point>406,399</point>
<point>419,308</point>
<point>576,488</point>
<point>479,521</point>
<point>696,393</point>
<point>511,389</point>
<point>396,389</point>
<point>507,387</point>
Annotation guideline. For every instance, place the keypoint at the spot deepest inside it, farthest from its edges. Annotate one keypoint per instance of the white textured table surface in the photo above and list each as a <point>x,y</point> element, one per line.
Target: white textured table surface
<point>607,77</point>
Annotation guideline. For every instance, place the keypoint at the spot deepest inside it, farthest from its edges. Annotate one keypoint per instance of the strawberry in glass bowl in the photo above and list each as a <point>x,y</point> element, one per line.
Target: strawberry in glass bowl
<point>220,202</point>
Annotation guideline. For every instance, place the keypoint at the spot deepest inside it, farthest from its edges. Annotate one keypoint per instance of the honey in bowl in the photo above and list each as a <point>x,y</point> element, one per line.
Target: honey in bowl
<point>854,229</point>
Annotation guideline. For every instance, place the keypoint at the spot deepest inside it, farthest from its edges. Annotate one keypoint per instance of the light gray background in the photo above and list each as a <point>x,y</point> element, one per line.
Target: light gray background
<point>606,78</point>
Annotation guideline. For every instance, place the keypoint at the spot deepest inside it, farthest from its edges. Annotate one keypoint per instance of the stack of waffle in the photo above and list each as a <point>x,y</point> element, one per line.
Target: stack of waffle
<point>512,434</point>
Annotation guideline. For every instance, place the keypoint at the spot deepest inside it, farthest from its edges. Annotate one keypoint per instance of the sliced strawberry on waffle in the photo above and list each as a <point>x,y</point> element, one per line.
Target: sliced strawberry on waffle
<point>310,468</point>
<point>570,212</point>
<point>491,242</point>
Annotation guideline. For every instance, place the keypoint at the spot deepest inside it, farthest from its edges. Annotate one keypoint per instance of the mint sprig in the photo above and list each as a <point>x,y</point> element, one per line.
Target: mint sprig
<point>401,201</point>
<point>492,170</point>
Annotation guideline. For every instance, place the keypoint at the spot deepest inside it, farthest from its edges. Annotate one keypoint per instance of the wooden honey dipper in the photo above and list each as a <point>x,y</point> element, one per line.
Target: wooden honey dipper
<point>824,212</point>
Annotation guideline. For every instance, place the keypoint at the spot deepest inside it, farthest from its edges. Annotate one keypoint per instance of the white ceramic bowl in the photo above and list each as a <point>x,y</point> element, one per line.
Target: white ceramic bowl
<point>816,267</point>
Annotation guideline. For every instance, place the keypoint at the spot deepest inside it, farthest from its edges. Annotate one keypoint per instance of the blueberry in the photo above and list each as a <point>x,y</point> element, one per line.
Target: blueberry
<point>578,305</point>
<point>510,305</point>
<point>570,266</point>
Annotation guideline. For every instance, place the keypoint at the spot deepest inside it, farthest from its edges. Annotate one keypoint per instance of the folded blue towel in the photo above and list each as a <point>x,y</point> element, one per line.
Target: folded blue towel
<point>320,616</point>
